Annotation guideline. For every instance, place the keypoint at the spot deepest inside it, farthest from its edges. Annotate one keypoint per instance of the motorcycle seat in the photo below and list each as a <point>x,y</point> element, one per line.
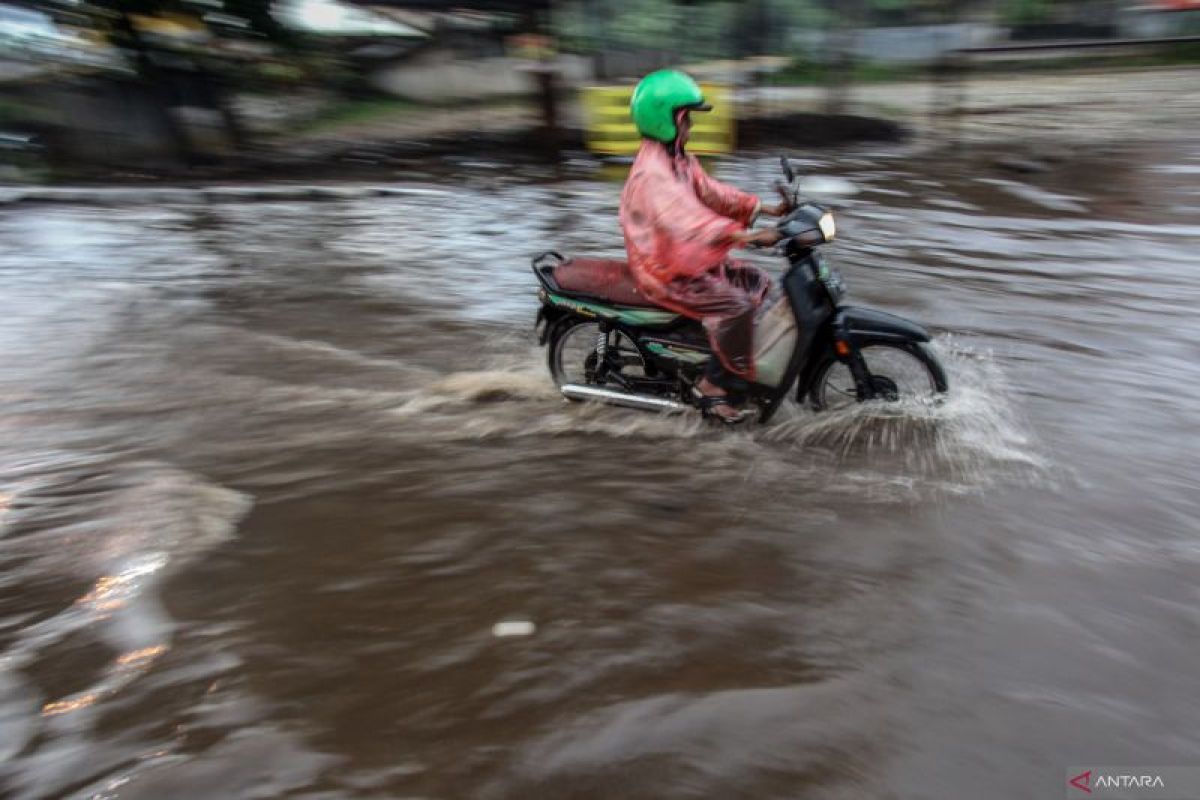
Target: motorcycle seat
<point>605,279</point>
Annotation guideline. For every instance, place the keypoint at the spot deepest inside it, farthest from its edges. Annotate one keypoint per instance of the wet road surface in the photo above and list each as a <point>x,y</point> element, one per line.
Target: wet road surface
<point>272,471</point>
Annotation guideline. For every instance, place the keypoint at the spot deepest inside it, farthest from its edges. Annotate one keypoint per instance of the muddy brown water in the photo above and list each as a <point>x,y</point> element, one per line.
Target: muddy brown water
<point>272,471</point>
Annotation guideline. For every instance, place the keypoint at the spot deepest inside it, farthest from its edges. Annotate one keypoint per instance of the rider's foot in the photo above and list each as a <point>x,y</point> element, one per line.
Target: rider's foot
<point>713,402</point>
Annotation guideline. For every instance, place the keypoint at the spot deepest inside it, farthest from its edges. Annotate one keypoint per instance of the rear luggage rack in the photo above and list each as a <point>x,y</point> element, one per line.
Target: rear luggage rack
<point>543,268</point>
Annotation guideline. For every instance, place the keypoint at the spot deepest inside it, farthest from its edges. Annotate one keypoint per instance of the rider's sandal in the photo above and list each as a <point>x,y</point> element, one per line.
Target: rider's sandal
<point>707,402</point>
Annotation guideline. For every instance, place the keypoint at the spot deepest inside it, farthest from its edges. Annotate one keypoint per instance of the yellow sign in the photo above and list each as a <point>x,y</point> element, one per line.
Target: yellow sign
<point>609,129</point>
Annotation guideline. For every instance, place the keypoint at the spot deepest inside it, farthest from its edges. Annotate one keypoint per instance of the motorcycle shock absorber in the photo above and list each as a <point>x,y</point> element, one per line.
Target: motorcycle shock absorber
<point>599,370</point>
<point>601,345</point>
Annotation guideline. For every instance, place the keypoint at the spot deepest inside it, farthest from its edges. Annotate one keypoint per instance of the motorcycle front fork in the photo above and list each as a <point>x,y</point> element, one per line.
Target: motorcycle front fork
<point>864,384</point>
<point>850,355</point>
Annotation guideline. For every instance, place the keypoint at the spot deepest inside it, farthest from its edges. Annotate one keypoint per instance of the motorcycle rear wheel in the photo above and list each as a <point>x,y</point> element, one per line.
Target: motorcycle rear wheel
<point>571,355</point>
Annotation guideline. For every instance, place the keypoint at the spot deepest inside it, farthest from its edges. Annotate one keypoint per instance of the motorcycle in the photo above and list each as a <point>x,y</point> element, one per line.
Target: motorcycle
<point>606,342</point>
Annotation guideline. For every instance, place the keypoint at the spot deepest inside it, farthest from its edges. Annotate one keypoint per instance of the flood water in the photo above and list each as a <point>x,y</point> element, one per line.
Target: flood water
<point>271,472</point>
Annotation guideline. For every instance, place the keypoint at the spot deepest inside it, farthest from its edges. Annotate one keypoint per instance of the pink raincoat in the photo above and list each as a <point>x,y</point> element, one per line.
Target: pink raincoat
<point>678,224</point>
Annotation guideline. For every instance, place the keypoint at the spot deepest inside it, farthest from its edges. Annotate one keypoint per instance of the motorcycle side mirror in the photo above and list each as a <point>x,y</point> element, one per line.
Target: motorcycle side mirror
<point>787,169</point>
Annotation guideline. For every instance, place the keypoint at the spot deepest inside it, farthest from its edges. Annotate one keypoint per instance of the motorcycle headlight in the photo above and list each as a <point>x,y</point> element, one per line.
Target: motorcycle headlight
<point>828,226</point>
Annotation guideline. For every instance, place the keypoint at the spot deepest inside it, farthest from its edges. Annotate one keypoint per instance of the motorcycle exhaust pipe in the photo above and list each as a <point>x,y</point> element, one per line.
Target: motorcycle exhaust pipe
<point>644,402</point>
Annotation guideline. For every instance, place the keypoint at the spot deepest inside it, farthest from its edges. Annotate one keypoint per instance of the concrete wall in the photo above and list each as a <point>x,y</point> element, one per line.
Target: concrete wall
<point>1148,24</point>
<point>108,120</point>
<point>96,120</point>
<point>439,77</point>
<point>909,44</point>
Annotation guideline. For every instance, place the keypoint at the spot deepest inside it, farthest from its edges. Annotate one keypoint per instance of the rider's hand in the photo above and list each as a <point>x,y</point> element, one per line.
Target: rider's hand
<point>763,237</point>
<point>785,207</point>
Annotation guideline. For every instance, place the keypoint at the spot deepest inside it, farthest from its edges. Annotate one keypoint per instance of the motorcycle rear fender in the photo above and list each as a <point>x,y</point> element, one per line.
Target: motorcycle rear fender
<point>861,325</point>
<point>541,325</point>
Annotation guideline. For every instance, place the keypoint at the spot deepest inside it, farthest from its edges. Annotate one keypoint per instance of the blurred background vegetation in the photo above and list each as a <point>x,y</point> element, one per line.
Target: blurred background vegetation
<point>196,82</point>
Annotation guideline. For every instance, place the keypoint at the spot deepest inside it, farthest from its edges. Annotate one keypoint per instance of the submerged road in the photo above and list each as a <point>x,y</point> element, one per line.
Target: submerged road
<point>271,472</point>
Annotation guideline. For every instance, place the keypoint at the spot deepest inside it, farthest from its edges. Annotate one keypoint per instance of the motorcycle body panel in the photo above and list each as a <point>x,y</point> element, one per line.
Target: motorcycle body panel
<point>696,355</point>
<point>810,307</point>
<point>866,324</point>
<point>775,335</point>
<point>626,315</point>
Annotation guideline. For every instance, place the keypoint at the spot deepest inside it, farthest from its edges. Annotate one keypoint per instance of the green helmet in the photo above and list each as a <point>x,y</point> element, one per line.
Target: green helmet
<point>656,99</point>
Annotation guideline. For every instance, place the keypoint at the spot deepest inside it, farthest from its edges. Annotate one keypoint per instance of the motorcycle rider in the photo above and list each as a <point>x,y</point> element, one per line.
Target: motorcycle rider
<point>680,224</point>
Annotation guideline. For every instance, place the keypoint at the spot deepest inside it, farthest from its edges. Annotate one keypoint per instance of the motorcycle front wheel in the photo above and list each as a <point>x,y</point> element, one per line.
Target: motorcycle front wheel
<point>899,372</point>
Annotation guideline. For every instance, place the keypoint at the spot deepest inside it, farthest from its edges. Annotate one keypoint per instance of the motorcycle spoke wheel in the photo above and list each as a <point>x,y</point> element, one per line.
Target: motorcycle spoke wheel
<point>897,374</point>
<point>573,357</point>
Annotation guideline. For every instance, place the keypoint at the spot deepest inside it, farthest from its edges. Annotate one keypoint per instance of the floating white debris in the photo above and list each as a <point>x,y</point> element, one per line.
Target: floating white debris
<point>518,627</point>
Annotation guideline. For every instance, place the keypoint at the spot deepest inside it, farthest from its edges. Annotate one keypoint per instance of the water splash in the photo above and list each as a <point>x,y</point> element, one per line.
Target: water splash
<point>973,438</point>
